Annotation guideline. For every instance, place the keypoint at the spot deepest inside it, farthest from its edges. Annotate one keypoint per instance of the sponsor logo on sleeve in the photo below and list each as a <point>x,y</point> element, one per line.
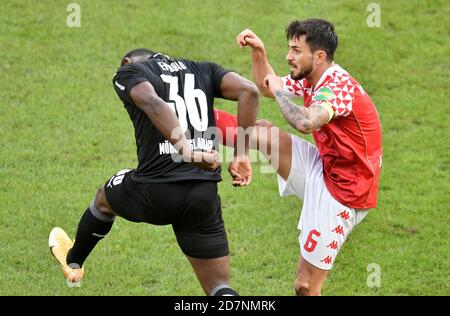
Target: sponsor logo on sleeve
<point>324,94</point>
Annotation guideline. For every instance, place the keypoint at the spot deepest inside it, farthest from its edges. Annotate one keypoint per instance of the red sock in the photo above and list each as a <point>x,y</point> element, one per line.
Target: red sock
<point>226,121</point>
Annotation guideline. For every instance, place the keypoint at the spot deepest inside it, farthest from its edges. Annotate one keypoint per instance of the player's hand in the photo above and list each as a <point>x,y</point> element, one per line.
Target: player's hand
<point>241,171</point>
<point>263,123</point>
<point>273,83</point>
<point>248,38</point>
<point>204,160</point>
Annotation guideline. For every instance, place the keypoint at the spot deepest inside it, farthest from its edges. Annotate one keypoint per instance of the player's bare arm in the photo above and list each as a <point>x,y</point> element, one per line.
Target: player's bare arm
<point>260,63</point>
<point>165,120</point>
<point>235,87</point>
<point>305,120</point>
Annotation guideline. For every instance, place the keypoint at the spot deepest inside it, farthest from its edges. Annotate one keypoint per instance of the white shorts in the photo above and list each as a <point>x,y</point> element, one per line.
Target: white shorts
<point>324,222</point>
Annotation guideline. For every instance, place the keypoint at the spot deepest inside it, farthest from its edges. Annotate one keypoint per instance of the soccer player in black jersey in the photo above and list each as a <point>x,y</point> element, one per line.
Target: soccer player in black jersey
<point>170,102</point>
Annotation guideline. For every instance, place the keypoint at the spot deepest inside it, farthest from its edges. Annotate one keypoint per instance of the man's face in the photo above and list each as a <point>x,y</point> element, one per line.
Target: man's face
<point>300,58</point>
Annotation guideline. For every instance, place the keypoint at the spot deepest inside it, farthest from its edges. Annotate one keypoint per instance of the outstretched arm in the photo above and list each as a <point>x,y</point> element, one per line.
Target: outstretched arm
<point>260,63</point>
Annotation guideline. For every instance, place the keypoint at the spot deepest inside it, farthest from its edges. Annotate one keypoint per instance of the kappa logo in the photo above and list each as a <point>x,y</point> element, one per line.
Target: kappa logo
<point>344,214</point>
<point>339,230</point>
<point>333,245</point>
<point>119,85</point>
<point>327,259</point>
<point>324,94</point>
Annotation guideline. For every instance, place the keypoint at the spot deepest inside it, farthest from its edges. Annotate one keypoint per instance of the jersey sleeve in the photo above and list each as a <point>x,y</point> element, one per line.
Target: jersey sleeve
<point>336,96</point>
<point>125,79</point>
<point>295,87</point>
<point>217,73</point>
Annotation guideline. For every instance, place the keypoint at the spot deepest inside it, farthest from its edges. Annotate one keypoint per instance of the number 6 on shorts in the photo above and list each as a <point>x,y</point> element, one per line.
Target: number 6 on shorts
<point>310,243</point>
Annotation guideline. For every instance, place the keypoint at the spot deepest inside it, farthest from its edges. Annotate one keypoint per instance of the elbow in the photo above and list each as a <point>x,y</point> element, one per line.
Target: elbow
<point>305,131</point>
<point>305,127</point>
<point>250,92</point>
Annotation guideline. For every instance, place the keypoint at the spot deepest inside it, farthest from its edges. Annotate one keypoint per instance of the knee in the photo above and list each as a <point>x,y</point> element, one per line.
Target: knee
<point>304,288</point>
<point>101,203</point>
<point>301,287</point>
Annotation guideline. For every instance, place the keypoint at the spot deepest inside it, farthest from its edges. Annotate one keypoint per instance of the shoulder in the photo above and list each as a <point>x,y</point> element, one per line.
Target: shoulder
<point>340,80</point>
<point>337,90</point>
<point>133,69</point>
<point>126,68</point>
<point>203,65</point>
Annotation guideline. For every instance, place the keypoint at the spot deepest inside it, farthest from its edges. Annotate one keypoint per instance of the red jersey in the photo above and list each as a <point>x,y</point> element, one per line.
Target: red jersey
<point>350,144</point>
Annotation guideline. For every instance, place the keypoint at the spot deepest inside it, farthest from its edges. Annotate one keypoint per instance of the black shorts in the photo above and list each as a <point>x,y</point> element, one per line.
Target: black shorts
<point>192,207</point>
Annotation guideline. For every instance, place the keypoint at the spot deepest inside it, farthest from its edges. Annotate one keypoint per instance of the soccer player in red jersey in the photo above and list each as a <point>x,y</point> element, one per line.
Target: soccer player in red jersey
<point>338,178</point>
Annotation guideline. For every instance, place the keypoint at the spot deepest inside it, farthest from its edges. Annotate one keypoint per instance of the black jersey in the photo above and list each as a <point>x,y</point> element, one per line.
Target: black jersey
<point>189,88</point>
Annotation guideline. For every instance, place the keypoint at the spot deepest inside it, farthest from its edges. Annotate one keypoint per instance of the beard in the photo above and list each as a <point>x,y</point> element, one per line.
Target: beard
<point>302,74</point>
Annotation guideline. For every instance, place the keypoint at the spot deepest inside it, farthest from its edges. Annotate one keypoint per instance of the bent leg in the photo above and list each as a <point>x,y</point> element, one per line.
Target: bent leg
<point>94,225</point>
<point>101,203</point>
<point>275,144</point>
<point>202,237</point>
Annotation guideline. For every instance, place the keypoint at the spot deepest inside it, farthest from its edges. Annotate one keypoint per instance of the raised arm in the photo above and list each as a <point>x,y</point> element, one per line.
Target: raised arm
<point>260,63</point>
<point>164,119</point>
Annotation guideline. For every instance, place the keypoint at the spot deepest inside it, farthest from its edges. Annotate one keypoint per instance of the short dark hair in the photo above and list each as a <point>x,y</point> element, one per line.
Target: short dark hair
<point>136,53</point>
<point>319,35</point>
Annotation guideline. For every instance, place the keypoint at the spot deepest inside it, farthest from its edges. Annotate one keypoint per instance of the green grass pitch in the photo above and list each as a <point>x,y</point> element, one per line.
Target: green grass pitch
<point>64,133</point>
